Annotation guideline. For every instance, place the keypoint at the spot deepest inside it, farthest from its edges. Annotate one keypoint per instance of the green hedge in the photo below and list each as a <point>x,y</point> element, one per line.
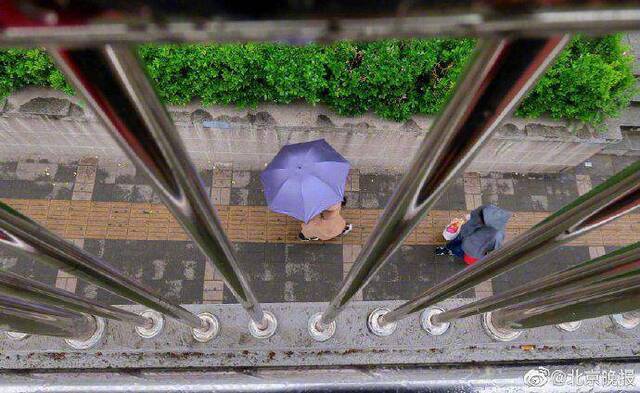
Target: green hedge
<point>591,80</point>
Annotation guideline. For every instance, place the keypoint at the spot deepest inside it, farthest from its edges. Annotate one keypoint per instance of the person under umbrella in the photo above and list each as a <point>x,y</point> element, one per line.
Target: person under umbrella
<point>481,234</point>
<point>306,181</point>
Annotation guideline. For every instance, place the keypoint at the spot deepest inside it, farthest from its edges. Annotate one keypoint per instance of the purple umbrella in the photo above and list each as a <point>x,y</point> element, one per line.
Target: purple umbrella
<point>304,179</point>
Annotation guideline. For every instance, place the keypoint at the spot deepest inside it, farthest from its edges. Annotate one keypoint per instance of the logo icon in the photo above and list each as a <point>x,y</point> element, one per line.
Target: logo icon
<point>537,377</point>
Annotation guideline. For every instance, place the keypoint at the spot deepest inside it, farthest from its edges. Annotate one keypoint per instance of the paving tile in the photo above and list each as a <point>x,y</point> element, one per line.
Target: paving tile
<point>583,184</point>
<point>353,199</point>
<point>221,177</point>
<point>442,203</point>
<point>549,263</point>
<point>255,197</point>
<point>597,251</point>
<point>376,189</point>
<point>505,186</point>
<point>241,179</point>
<point>540,202</point>
<point>447,267</point>
<point>353,181</point>
<point>600,165</point>
<point>239,196</point>
<point>222,196</point>
<point>213,286</point>
<point>27,267</point>
<point>210,296</point>
<point>85,174</point>
<point>456,195</point>
<point>206,175</point>
<point>471,183</point>
<point>82,196</point>
<point>171,268</point>
<point>291,272</point>
<point>484,289</point>
<point>106,174</point>
<point>30,171</point>
<point>66,283</point>
<point>408,272</point>
<point>65,173</point>
<point>350,253</point>
<point>621,162</point>
<point>597,180</point>
<point>369,200</point>
<point>105,192</point>
<point>488,185</point>
<point>28,189</point>
<point>470,201</point>
<point>8,170</point>
<point>89,160</point>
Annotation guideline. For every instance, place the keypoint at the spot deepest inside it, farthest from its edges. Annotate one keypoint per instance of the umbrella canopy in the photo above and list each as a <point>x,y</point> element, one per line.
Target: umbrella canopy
<point>304,179</point>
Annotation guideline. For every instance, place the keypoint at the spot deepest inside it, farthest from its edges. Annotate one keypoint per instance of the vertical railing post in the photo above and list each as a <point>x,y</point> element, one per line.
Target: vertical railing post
<point>499,76</point>
<point>116,87</point>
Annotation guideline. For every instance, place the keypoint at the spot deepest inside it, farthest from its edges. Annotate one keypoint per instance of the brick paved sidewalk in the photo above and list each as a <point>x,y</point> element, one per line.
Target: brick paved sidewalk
<point>145,221</point>
<point>268,251</point>
<point>112,211</point>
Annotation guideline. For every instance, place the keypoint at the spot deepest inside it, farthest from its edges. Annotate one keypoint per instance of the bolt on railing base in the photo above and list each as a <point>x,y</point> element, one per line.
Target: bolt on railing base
<point>431,327</point>
<point>92,341</point>
<point>17,335</point>
<point>157,320</point>
<point>210,331</point>
<point>569,326</point>
<point>498,333</point>
<point>318,332</point>
<point>626,320</point>
<point>374,325</point>
<point>268,331</point>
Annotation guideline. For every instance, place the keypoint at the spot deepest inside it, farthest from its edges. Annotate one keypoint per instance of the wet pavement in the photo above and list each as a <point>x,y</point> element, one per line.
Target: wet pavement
<point>279,268</point>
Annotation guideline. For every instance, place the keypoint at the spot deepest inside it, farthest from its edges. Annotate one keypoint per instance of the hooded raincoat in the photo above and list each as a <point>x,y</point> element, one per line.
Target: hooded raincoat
<point>484,231</point>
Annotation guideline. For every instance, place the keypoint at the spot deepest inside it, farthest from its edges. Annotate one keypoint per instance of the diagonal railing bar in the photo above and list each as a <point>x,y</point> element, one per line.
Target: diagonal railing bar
<point>33,291</point>
<point>615,197</point>
<point>498,77</point>
<point>589,272</point>
<point>116,86</point>
<point>27,237</point>
<point>617,295</point>
<point>34,318</point>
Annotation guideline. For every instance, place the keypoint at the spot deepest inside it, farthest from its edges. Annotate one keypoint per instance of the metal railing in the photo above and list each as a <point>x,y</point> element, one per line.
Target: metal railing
<point>518,44</point>
<point>612,199</point>
<point>114,83</point>
<point>499,76</point>
<point>612,296</point>
<point>36,318</point>
<point>33,291</point>
<point>592,271</point>
<point>29,238</point>
<point>309,21</point>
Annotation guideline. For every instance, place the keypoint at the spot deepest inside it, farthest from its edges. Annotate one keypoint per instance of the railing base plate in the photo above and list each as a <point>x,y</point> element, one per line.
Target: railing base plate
<point>292,346</point>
